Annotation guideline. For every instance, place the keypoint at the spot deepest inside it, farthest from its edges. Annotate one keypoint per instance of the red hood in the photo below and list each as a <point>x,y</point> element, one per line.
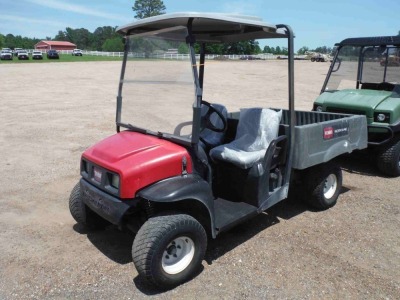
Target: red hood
<point>139,159</point>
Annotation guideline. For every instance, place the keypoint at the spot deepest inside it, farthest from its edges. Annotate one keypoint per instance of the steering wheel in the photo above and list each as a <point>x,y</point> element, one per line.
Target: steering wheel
<point>206,119</point>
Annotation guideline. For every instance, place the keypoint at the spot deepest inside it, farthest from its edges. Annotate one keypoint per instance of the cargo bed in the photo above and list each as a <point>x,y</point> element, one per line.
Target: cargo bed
<point>320,137</point>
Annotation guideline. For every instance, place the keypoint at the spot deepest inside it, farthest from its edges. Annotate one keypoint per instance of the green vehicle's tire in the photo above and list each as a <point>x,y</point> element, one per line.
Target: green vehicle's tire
<point>323,184</point>
<point>82,214</point>
<point>168,250</point>
<point>389,159</point>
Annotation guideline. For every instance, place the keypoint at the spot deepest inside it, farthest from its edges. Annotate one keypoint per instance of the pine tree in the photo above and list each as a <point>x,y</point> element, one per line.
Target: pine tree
<point>148,8</point>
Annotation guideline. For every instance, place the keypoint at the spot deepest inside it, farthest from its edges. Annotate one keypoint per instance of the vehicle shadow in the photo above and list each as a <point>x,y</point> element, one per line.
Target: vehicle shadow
<point>150,290</point>
<point>359,163</point>
<point>229,240</point>
<point>113,243</point>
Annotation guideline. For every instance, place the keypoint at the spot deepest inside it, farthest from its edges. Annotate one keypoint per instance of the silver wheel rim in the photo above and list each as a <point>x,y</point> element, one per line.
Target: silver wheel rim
<point>178,255</point>
<point>330,186</point>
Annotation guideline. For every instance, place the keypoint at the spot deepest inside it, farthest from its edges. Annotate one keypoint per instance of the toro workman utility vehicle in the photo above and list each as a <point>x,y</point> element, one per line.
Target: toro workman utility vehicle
<point>181,170</point>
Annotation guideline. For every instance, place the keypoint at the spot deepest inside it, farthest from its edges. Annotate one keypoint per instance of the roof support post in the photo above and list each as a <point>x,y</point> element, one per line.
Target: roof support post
<point>190,40</point>
<point>202,61</point>
<point>292,116</point>
<point>121,81</point>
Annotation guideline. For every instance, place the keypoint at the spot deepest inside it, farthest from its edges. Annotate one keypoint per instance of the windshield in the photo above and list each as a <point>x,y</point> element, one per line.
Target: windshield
<point>158,86</point>
<point>381,64</point>
<point>378,64</point>
<point>344,72</point>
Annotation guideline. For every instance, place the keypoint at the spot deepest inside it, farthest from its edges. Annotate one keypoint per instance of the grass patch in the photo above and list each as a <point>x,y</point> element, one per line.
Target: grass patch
<point>63,58</point>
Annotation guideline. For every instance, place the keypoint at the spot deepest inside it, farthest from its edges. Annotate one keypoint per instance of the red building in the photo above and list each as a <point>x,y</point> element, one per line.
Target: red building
<point>56,45</point>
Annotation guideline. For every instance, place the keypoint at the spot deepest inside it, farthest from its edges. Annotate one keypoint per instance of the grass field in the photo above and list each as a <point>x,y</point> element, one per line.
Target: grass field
<point>63,58</point>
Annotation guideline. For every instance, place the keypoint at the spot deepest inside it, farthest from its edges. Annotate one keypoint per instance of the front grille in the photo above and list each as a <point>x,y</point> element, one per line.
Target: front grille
<point>102,178</point>
<point>345,111</point>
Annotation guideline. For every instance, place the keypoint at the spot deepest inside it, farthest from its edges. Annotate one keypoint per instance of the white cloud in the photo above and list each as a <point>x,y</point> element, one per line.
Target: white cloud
<point>26,20</point>
<point>79,9</point>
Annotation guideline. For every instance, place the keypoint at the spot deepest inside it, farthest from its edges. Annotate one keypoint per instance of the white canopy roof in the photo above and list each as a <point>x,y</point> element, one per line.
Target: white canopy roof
<point>210,27</point>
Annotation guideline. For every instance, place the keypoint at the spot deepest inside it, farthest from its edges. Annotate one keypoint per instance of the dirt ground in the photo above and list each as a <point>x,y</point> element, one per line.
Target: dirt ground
<point>50,113</point>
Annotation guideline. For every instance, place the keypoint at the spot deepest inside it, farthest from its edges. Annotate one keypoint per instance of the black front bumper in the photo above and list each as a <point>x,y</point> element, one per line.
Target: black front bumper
<point>108,207</point>
<point>383,138</point>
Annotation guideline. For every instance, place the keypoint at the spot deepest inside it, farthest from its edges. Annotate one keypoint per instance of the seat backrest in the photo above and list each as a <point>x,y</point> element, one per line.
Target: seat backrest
<point>257,127</point>
<point>213,138</point>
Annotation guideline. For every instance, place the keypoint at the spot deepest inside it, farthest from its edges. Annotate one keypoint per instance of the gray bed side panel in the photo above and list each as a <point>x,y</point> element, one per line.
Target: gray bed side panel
<point>311,148</point>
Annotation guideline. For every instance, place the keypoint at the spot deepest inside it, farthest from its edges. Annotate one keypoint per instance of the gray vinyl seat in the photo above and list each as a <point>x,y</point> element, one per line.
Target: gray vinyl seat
<point>211,138</point>
<point>257,127</point>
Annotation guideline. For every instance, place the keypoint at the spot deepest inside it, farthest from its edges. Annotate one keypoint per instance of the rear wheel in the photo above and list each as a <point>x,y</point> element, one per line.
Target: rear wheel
<point>168,250</point>
<point>312,59</point>
<point>82,214</point>
<point>323,185</point>
<point>389,159</point>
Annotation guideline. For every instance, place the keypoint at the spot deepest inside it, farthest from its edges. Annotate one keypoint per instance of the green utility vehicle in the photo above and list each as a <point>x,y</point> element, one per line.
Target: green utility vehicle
<point>364,79</point>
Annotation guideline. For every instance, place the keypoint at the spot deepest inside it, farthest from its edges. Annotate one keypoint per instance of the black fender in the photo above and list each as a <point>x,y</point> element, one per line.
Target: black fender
<point>182,188</point>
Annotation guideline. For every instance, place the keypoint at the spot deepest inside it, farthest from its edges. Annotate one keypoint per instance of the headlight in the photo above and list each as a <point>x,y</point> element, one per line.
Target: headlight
<point>84,167</point>
<point>382,117</point>
<point>115,181</point>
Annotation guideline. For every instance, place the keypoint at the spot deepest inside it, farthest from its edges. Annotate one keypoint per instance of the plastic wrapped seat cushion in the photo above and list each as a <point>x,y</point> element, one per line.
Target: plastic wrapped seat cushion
<point>256,129</point>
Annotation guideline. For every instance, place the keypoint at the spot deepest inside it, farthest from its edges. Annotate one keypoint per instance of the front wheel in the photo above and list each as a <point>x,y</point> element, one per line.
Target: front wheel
<point>82,214</point>
<point>168,250</point>
<point>389,159</point>
<point>323,185</point>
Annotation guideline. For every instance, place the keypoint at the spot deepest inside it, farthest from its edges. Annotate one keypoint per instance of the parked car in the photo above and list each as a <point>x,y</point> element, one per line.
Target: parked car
<point>52,54</point>
<point>6,55</point>
<point>249,57</point>
<point>16,50</point>
<point>77,52</point>
<point>23,54</point>
<point>36,54</point>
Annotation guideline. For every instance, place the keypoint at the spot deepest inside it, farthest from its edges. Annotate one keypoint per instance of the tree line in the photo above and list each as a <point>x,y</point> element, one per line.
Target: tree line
<point>102,39</point>
<point>106,39</point>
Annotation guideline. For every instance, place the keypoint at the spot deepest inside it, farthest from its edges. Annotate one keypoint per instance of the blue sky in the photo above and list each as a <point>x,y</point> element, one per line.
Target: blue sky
<point>315,23</point>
